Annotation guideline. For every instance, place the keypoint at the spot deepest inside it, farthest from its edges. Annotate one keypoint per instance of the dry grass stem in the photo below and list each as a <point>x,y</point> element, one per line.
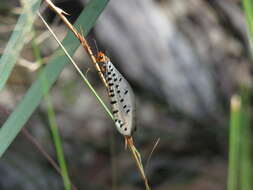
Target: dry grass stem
<point>80,37</point>
<point>129,140</point>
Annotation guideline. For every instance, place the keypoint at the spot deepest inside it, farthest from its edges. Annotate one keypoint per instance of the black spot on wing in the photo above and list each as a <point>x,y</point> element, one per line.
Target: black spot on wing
<point>113,102</point>
<point>115,111</point>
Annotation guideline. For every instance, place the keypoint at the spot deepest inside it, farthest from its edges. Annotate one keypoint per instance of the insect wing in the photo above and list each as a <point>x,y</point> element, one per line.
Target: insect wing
<point>122,99</point>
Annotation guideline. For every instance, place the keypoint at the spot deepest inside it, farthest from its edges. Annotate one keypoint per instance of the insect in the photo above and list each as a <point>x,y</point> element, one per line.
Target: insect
<point>121,96</point>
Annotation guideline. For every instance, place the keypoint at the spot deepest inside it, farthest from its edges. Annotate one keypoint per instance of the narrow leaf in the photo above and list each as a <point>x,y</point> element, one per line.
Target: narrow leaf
<point>17,40</point>
<point>34,95</point>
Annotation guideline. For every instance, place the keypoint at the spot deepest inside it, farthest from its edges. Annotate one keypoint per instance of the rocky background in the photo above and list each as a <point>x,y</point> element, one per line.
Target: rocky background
<point>184,60</point>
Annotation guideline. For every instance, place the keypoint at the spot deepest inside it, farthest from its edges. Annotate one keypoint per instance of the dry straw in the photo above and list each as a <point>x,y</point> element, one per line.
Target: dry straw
<point>129,140</point>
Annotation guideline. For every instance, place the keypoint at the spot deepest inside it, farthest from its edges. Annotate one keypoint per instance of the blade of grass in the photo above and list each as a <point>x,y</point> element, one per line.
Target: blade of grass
<point>248,11</point>
<point>246,157</point>
<point>51,114</point>
<point>43,152</point>
<point>34,95</point>
<point>53,123</point>
<point>17,39</point>
<point>234,144</point>
<point>78,70</point>
<point>245,162</point>
<point>128,140</point>
<point>57,142</point>
<point>239,170</point>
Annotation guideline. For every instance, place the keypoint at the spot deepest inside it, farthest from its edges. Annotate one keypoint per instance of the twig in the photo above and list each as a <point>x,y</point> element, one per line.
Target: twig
<point>43,152</point>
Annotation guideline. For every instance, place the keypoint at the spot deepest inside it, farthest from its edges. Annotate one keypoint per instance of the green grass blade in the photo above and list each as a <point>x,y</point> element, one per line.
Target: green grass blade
<point>33,97</point>
<point>234,144</point>
<point>17,39</point>
<point>85,80</point>
<point>248,11</point>
<point>246,159</point>
<point>57,142</point>
<point>246,169</point>
<point>240,167</point>
<point>53,123</point>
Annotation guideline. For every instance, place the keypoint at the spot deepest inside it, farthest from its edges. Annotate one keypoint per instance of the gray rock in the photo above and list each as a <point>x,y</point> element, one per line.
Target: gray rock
<point>155,55</point>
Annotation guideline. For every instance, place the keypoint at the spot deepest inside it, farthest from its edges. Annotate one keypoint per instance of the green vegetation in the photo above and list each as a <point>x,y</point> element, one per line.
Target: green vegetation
<point>240,158</point>
<point>47,77</point>
<point>51,71</point>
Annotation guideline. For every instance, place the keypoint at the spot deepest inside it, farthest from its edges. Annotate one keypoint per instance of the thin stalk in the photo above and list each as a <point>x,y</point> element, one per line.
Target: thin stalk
<point>80,37</point>
<point>57,142</point>
<point>52,123</point>
<point>151,153</point>
<point>84,43</point>
<point>234,144</point>
<point>138,161</point>
<point>18,39</point>
<point>44,153</point>
<point>246,158</point>
<point>248,11</point>
<point>51,71</point>
<point>78,70</point>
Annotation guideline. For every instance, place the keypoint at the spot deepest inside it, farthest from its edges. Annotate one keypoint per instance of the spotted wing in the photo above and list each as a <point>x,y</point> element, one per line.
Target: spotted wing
<point>121,99</point>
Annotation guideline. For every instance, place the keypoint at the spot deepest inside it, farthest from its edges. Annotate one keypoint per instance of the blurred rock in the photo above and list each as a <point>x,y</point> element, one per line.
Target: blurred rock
<point>157,56</point>
<point>179,51</point>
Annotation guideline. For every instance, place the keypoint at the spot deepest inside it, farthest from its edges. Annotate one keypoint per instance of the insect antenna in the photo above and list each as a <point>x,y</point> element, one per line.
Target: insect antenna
<point>95,42</point>
<point>81,30</point>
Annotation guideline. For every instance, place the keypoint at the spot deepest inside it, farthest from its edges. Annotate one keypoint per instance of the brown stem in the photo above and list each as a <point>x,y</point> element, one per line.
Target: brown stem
<point>86,46</point>
<point>82,40</point>
<point>137,159</point>
<point>43,152</point>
